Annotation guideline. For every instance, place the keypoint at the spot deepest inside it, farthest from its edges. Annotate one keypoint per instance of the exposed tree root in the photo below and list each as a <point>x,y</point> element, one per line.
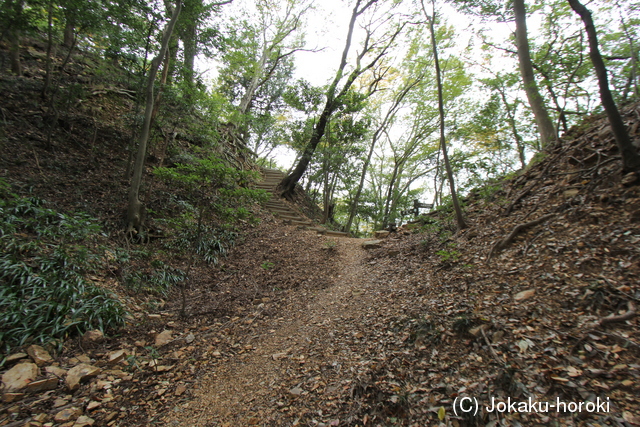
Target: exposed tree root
<point>630,314</point>
<point>500,245</point>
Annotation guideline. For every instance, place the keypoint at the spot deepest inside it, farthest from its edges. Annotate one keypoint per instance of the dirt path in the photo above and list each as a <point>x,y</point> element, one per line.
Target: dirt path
<point>281,366</point>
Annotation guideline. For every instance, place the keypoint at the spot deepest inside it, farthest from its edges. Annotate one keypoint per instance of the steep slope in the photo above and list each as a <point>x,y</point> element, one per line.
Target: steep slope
<point>537,299</point>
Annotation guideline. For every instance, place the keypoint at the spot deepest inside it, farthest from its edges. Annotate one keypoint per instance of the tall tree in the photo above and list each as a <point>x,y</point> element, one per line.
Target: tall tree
<point>136,209</point>
<point>630,157</point>
<point>13,21</point>
<point>396,102</point>
<point>443,144</point>
<point>545,125</point>
<point>189,30</point>
<point>334,97</point>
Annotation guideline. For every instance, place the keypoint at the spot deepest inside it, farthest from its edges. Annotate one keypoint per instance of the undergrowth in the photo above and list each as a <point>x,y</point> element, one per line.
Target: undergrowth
<point>44,262</point>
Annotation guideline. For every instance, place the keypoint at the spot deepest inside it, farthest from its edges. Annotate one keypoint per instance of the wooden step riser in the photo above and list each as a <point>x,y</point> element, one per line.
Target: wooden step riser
<point>335,233</point>
<point>290,217</point>
<point>282,211</point>
<point>301,223</point>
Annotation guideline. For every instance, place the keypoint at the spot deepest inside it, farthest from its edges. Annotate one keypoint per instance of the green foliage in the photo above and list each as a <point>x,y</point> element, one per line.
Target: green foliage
<point>267,265</point>
<point>462,324</point>
<point>212,243</point>
<point>44,293</point>
<point>210,185</point>
<point>158,282</point>
<point>331,245</point>
<point>213,197</point>
<point>448,256</point>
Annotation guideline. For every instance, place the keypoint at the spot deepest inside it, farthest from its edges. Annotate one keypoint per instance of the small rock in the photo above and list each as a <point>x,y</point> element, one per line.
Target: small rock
<point>40,418</point>
<point>56,370</point>
<point>84,421</point>
<point>80,373</point>
<point>93,337</point>
<point>180,389</point>
<point>190,338</point>
<point>393,253</point>
<point>67,414</point>
<point>39,355</point>
<point>380,234</point>
<point>571,193</point>
<point>15,357</point>
<point>110,416</point>
<point>296,391</point>
<point>19,376</point>
<point>60,402</point>
<point>371,244</point>
<point>42,385</point>
<point>83,358</point>
<point>117,356</point>
<point>93,405</point>
<point>163,338</point>
<point>12,397</point>
<point>524,295</point>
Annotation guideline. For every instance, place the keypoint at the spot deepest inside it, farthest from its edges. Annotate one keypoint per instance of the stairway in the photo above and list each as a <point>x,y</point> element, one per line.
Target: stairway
<point>282,210</point>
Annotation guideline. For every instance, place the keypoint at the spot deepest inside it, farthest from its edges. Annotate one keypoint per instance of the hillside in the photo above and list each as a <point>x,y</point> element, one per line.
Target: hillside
<point>537,299</point>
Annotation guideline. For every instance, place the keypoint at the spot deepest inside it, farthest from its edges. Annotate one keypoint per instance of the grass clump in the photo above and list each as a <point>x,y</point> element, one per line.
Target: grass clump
<point>44,261</point>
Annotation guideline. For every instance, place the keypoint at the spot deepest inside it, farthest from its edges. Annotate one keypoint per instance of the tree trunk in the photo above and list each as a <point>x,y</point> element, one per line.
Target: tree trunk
<point>545,125</point>
<point>68,29</point>
<point>630,157</point>
<point>288,184</point>
<point>356,198</point>
<point>445,156</point>
<point>136,211</point>
<point>47,67</point>
<point>514,129</point>
<point>391,113</point>
<point>190,49</point>
<point>245,102</point>
<point>387,202</point>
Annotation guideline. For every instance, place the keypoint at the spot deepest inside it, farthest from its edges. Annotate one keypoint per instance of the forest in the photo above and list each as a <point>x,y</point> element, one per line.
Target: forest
<point>192,186</point>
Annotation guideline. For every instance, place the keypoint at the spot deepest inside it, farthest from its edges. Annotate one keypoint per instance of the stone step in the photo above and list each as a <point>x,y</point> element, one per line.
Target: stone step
<point>301,223</point>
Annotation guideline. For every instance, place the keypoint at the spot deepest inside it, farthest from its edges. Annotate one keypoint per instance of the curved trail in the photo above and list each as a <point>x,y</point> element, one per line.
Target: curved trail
<point>256,388</point>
